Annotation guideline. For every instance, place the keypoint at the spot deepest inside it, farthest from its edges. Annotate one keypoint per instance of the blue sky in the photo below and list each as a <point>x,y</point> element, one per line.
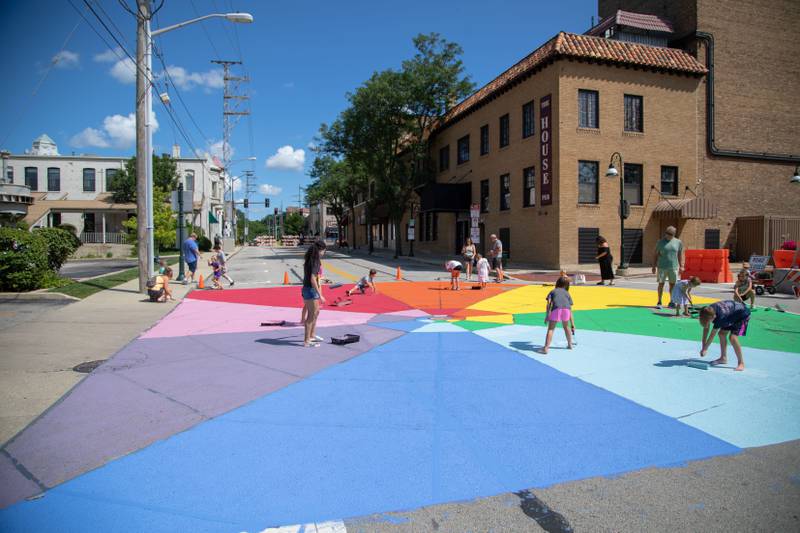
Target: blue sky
<point>302,58</point>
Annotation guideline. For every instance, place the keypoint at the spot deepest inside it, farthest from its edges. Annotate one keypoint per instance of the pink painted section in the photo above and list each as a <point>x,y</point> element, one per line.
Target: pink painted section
<point>202,317</point>
<point>414,313</point>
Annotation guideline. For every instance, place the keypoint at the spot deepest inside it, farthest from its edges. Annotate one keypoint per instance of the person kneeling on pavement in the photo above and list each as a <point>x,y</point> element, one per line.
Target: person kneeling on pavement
<point>160,291</point>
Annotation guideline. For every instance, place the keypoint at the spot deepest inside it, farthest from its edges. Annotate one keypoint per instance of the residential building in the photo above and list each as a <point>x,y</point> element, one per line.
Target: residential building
<point>74,189</point>
<point>321,222</point>
<point>532,147</point>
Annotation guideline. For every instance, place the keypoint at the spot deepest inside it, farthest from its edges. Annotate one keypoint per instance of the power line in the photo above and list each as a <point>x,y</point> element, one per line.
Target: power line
<point>120,32</point>
<point>205,30</point>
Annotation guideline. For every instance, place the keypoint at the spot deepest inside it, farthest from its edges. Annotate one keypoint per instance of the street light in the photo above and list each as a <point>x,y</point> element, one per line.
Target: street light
<point>796,177</point>
<point>612,172</point>
<point>144,136</point>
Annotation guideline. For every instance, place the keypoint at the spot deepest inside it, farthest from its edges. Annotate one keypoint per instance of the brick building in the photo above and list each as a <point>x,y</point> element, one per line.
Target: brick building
<point>532,147</point>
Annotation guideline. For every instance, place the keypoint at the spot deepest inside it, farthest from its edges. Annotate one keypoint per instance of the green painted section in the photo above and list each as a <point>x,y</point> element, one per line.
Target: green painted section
<point>768,329</point>
<point>471,325</point>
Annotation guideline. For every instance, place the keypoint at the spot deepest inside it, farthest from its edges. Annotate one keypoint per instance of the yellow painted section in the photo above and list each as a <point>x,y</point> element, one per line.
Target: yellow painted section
<point>531,299</point>
<point>494,319</point>
<point>338,271</point>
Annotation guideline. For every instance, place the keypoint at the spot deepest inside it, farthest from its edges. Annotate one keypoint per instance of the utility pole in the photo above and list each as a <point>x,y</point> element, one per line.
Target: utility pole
<point>230,116</point>
<point>143,151</point>
<point>249,188</point>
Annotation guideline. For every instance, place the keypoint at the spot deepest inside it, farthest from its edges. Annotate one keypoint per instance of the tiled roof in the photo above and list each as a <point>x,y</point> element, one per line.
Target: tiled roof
<point>632,20</point>
<point>584,48</point>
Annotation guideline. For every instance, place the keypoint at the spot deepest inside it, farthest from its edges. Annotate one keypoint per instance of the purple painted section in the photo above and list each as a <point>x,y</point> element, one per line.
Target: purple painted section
<point>13,485</point>
<point>157,387</point>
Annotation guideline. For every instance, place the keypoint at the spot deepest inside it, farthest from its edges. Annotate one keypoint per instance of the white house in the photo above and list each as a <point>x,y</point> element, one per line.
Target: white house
<point>74,189</point>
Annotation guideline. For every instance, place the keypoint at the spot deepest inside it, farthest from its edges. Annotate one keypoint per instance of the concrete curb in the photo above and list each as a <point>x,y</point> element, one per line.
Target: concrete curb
<point>35,295</point>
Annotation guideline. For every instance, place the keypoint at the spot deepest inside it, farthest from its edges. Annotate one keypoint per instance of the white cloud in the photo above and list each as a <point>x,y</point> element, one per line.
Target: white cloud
<point>66,59</point>
<point>109,56</point>
<point>237,184</point>
<point>118,131</point>
<point>124,71</point>
<point>213,149</point>
<point>288,158</point>
<point>183,79</point>
<point>89,137</point>
<point>270,190</point>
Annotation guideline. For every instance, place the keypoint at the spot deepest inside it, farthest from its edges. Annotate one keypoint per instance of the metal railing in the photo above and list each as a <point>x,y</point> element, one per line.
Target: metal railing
<point>95,237</point>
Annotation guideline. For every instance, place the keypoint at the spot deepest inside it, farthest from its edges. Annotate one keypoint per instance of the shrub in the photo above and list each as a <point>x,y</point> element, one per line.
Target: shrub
<point>204,243</point>
<point>23,260</point>
<point>69,227</point>
<point>60,245</point>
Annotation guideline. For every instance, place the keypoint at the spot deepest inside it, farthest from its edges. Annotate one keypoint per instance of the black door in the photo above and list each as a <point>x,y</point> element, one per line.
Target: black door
<point>505,238</point>
<point>88,223</point>
<point>632,245</point>
<point>587,244</point>
<point>712,239</point>
<point>462,232</point>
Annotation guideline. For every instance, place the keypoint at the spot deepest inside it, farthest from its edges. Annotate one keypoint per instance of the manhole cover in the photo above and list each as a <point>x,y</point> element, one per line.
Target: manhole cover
<point>86,368</point>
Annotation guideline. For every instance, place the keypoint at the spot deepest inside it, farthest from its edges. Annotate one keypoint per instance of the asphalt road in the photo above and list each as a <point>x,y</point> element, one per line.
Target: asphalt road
<point>83,269</point>
<point>757,490</point>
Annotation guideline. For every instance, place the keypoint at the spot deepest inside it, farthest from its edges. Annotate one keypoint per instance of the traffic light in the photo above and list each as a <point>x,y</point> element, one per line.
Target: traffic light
<point>246,203</point>
<point>266,202</point>
<point>276,210</point>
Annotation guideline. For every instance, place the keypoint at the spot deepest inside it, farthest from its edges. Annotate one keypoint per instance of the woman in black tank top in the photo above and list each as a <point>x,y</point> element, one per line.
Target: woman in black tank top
<point>312,293</point>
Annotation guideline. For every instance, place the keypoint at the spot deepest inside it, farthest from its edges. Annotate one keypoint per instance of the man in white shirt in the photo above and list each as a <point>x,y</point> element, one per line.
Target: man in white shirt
<point>454,267</point>
<point>496,253</point>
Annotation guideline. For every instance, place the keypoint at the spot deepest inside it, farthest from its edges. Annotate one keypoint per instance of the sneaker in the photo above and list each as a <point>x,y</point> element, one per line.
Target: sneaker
<point>231,284</point>
<point>658,305</point>
<point>672,305</point>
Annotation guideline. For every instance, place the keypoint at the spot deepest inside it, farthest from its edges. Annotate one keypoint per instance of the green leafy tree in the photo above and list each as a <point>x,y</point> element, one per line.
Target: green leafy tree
<point>165,224</point>
<point>165,178</point>
<point>336,184</point>
<point>293,223</point>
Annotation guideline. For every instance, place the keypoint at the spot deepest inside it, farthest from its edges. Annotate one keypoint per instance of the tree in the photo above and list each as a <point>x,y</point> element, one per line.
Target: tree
<point>386,129</point>
<point>336,184</point>
<point>165,178</point>
<point>294,223</point>
<point>165,225</point>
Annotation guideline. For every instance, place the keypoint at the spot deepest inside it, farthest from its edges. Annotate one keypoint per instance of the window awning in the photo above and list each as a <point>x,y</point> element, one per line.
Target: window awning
<point>211,218</point>
<point>695,208</point>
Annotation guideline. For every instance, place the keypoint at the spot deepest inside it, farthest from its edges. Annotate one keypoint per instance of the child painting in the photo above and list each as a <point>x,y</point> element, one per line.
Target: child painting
<point>743,289</point>
<point>367,282</point>
<point>482,266</point>
<point>454,267</point>
<point>681,294</point>
<point>559,309</point>
<point>729,319</point>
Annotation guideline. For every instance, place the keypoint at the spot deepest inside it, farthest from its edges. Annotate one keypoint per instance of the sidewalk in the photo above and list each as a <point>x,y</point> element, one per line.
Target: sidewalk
<point>38,355</point>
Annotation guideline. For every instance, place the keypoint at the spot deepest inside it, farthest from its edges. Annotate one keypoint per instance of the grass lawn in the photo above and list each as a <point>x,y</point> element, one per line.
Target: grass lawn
<point>82,289</point>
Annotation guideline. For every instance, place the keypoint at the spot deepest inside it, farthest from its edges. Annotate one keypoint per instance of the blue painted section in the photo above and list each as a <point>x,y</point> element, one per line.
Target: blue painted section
<point>756,407</point>
<point>424,419</point>
<point>401,325</point>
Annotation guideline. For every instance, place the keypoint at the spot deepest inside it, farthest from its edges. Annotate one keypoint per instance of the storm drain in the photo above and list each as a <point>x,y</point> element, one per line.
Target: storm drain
<point>86,368</point>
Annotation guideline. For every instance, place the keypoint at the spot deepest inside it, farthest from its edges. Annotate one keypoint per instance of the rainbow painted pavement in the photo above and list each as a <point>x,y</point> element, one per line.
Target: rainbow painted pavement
<point>211,422</point>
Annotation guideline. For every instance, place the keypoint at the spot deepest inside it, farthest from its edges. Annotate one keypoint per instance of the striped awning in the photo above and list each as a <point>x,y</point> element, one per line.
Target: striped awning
<point>696,208</point>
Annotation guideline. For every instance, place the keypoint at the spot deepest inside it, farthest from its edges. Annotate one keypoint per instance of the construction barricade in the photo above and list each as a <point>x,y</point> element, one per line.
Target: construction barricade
<point>711,266</point>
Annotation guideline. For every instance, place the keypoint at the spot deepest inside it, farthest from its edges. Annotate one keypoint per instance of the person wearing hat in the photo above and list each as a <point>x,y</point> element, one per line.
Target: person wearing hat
<point>668,261</point>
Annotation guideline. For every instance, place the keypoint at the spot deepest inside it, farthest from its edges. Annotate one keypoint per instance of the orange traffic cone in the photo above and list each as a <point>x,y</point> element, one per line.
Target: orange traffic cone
<point>200,283</point>
<point>399,275</point>
<point>285,278</point>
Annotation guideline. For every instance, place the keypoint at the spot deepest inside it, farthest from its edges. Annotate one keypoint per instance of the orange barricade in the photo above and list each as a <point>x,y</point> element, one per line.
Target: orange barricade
<point>711,266</point>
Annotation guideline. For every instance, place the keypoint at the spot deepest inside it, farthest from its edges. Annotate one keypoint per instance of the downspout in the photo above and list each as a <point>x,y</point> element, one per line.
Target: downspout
<point>708,39</point>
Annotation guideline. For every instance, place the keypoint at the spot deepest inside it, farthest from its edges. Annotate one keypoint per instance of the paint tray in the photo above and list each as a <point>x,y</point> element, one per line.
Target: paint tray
<point>476,287</point>
<point>346,339</point>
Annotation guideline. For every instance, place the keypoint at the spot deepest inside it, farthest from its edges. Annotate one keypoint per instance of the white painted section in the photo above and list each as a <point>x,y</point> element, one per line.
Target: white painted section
<point>333,526</point>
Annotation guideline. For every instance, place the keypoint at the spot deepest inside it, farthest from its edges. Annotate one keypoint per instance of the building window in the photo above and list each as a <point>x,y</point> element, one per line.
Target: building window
<point>669,181</point>
<point>634,113</point>
<point>53,179</point>
<point>444,158</point>
<point>484,196</point>
<point>528,187</point>
<point>188,181</point>
<point>633,183</point>
<point>32,178</point>
<point>527,120</point>
<point>588,109</point>
<point>505,192</point>
<point>89,180</point>
<point>484,139</point>
<point>504,130</point>
<point>588,186</point>
<point>10,174</point>
<point>587,244</point>
<point>111,174</point>
<point>463,149</point>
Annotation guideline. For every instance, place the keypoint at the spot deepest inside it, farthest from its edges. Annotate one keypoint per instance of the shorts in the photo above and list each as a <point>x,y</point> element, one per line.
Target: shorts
<point>310,293</point>
<point>559,315</point>
<point>360,287</point>
<point>497,262</point>
<point>192,266</point>
<point>739,328</point>
<point>155,295</point>
<point>456,272</point>
<point>665,274</point>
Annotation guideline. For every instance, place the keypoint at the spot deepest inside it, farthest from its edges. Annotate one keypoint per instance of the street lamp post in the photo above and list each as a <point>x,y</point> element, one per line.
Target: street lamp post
<point>144,131</point>
<point>612,172</point>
